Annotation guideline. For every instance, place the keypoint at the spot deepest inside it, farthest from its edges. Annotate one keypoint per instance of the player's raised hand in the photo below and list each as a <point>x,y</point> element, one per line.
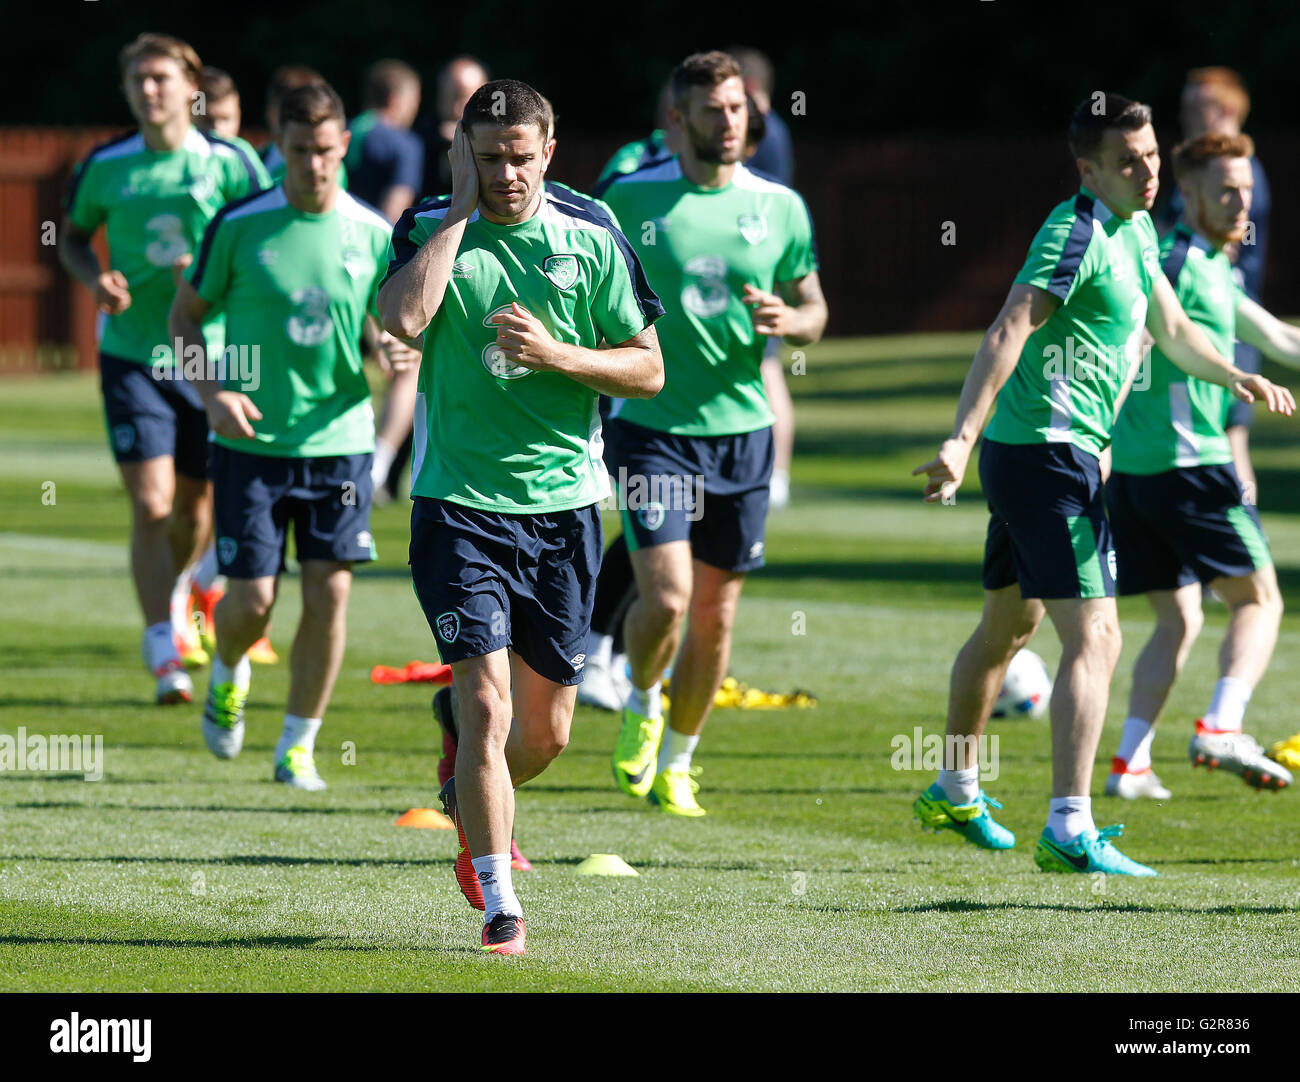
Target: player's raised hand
<point>178,268</point>
<point>229,415</point>
<point>945,470</point>
<point>525,341</point>
<point>771,315</point>
<point>112,293</point>
<point>464,174</point>
<point>395,355</point>
<point>1278,399</point>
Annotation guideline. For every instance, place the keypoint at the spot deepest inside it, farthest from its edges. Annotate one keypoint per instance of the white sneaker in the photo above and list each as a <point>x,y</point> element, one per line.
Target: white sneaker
<point>1240,754</point>
<point>1135,786</point>
<point>174,684</point>
<point>599,687</point>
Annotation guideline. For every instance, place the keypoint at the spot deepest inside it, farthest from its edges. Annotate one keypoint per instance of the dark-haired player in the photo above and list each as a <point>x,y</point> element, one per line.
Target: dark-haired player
<point>1057,358</point>
<point>514,288</point>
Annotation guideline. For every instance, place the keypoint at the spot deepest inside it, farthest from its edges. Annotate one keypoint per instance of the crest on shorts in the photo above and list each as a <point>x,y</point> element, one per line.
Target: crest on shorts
<point>652,516</point>
<point>449,626</point>
<point>562,270</point>
<point>753,227</point>
<point>124,437</point>
<point>226,549</point>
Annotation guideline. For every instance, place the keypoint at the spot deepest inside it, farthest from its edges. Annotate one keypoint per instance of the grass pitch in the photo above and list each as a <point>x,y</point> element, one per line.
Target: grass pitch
<point>179,872</point>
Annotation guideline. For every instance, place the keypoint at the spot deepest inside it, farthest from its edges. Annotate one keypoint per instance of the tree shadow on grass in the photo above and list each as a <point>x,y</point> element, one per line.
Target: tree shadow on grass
<point>962,905</point>
<point>243,860</point>
<point>289,942</point>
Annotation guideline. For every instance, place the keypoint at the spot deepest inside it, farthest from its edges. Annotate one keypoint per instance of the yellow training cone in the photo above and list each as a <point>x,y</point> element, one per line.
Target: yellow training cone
<point>425,817</point>
<point>606,864</point>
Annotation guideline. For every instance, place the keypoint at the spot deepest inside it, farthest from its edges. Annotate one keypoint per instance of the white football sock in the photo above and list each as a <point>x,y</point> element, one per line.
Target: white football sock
<point>493,873</point>
<point>1228,707</point>
<point>298,732</point>
<point>206,570</point>
<point>599,648</point>
<point>676,750</point>
<point>159,645</point>
<point>648,703</point>
<point>385,452</point>
<point>181,601</point>
<point>1135,745</point>
<point>1069,816</point>
<point>960,786</point>
<point>240,674</point>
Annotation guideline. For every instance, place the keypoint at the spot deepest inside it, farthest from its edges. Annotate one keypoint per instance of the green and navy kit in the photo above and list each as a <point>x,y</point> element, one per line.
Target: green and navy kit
<point>298,286</point>
<point>1178,420</point>
<point>1102,268</point>
<point>499,437</point>
<point>633,156</point>
<point>701,247</point>
<point>154,205</point>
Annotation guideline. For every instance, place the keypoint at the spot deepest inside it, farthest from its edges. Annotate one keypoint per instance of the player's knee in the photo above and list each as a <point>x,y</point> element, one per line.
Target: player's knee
<point>1101,640</point>
<point>548,745</point>
<point>713,617</point>
<point>669,605</point>
<point>1183,624</point>
<point>325,598</point>
<point>151,509</point>
<point>249,605</point>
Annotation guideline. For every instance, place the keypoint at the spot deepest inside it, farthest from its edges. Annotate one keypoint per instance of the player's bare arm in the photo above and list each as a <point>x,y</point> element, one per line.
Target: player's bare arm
<point>112,294</point>
<point>411,298</point>
<point>1259,328</point>
<point>229,412</point>
<point>1025,310</point>
<point>1186,345</point>
<point>796,312</point>
<point>631,369</point>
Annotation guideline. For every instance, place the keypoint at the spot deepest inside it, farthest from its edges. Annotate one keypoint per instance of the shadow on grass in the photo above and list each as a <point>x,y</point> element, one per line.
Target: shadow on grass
<point>251,859</point>
<point>289,942</point>
<point>960,905</point>
<point>220,808</point>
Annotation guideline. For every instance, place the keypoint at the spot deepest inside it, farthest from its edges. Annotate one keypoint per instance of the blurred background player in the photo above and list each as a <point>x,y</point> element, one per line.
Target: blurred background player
<point>386,159</point>
<point>456,82</point>
<point>505,523</point>
<point>285,78</point>
<point>707,435</point>
<point>221,113</point>
<point>296,270</point>
<point>1090,285</point>
<point>155,419</point>
<point>1174,499</point>
<point>660,145</point>
<point>1215,101</point>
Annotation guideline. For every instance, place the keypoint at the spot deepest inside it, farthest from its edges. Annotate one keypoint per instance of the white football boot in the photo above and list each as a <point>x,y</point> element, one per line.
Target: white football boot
<point>1240,754</point>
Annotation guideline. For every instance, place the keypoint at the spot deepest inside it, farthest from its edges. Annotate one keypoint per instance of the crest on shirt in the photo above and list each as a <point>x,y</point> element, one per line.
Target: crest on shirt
<point>449,626</point>
<point>267,257</point>
<point>354,261</point>
<point>753,227</point>
<point>203,187</point>
<point>562,270</point>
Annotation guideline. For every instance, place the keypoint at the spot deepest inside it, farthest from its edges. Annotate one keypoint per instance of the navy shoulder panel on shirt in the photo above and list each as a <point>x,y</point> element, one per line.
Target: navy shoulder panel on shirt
<point>1076,244</point>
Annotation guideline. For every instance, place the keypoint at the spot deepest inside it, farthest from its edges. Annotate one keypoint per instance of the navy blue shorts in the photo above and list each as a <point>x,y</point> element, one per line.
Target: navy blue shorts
<point>487,581</point>
<point>1047,524</point>
<point>1248,359</point>
<point>709,490</point>
<point>148,417</point>
<point>257,497</point>
<point>1183,526</point>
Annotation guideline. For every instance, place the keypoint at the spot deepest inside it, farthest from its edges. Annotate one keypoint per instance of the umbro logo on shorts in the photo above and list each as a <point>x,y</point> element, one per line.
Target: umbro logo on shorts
<point>578,661</point>
<point>756,550</point>
<point>365,540</point>
<point>449,626</point>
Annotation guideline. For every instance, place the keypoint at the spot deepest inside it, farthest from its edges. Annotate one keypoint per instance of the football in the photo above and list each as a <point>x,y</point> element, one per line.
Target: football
<point>1026,688</point>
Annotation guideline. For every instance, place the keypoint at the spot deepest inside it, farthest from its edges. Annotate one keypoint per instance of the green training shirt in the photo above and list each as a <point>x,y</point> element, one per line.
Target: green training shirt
<point>700,247</point>
<point>1102,268</point>
<point>499,437</point>
<point>154,206</point>
<point>633,156</point>
<point>1173,420</point>
<point>297,286</point>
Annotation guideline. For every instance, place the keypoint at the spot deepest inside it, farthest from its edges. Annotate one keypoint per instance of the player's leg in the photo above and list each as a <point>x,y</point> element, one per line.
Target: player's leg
<point>604,684</point>
<point>778,398</point>
<point>543,715</point>
<point>1241,415</point>
<point>698,673</point>
<point>190,535</point>
<point>1178,623</point>
<point>1255,605</point>
<point>652,631</point>
<point>955,800</point>
<point>395,423</point>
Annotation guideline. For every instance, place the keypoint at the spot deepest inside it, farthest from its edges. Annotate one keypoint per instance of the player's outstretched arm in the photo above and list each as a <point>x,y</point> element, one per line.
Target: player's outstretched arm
<point>229,412</point>
<point>1260,328</point>
<point>798,314</point>
<point>411,298</point>
<point>631,369</point>
<point>112,293</point>
<point>1185,344</point>
<point>1025,310</point>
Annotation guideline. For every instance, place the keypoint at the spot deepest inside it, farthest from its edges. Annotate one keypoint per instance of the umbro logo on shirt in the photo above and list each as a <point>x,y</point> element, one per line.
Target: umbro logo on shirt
<point>461,269</point>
